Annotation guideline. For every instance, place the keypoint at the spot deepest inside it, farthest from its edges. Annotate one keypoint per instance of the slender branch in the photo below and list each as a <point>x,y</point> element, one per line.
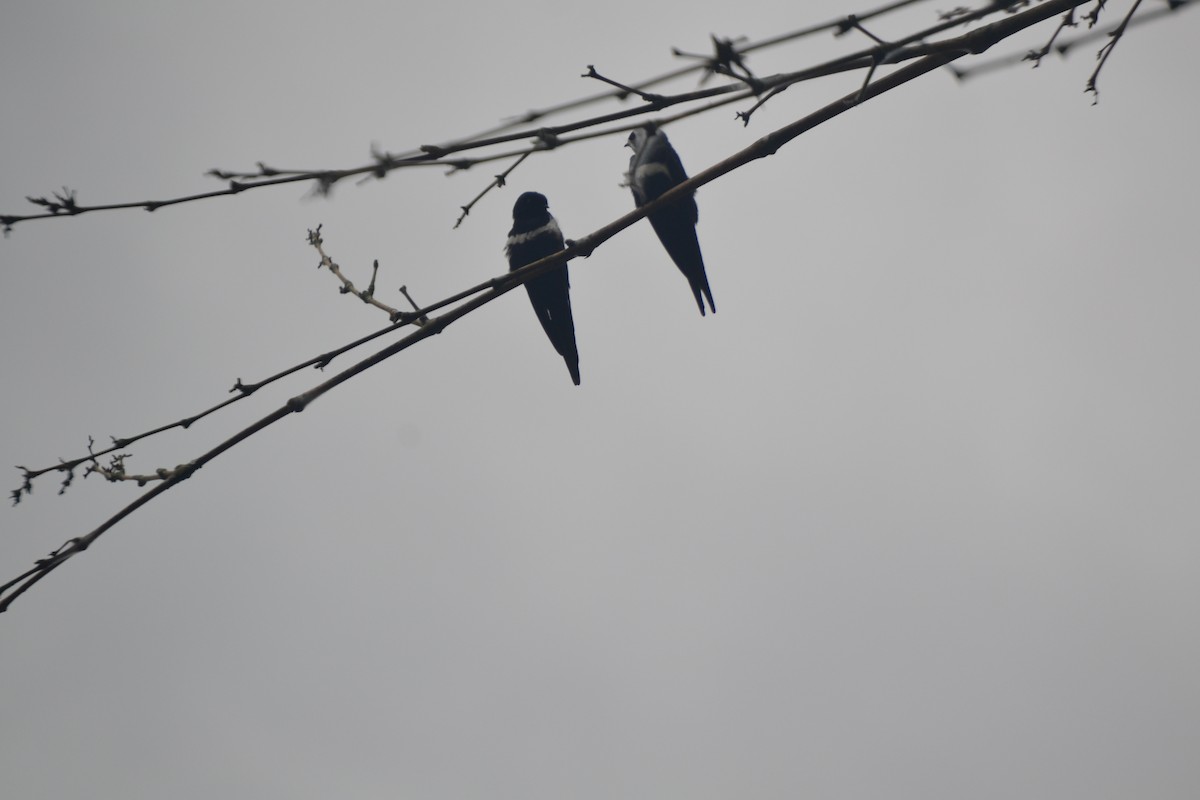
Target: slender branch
<point>1064,48</point>
<point>115,472</point>
<point>884,53</point>
<point>243,390</point>
<point>745,116</point>
<point>646,96</point>
<point>974,42</point>
<point>497,183</point>
<point>1106,51</point>
<point>263,171</point>
<point>835,26</point>
<point>727,59</point>
<point>10,591</point>
<point>904,49</point>
<point>421,319</point>
<point>857,25</point>
<point>1092,17</point>
<point>1170,7</point>
<point>419,316</point>
<point>428,155</point>
<point>838,27</point>
<point>366,295</point>
<point>1036,56</point>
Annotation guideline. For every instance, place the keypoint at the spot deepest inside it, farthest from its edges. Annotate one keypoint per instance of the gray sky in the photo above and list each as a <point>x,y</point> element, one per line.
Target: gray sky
<point>913,516</point>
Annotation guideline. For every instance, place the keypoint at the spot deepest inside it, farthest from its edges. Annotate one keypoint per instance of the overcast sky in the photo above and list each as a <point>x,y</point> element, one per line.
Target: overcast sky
<point>914,515</point>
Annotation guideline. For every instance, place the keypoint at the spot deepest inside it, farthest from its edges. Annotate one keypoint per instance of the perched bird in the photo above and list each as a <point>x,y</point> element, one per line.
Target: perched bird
<point>535,235</point>
<point>654,168</point>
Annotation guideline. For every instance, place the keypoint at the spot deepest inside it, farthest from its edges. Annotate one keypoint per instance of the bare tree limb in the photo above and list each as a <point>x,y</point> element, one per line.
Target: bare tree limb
<point>1036,56</point>
<point>497,183</point>
<point>366,295</point>
<point>1106,51</point>
<point>1064,48</point>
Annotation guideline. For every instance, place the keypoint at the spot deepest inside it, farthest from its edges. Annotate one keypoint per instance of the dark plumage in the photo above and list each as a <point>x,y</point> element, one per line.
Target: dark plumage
<point>535,235</point>
<point>653,169</point>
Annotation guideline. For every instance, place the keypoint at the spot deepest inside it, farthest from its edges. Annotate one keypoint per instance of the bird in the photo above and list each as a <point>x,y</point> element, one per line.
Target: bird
<point>654,168</point>
<point>535,234</point>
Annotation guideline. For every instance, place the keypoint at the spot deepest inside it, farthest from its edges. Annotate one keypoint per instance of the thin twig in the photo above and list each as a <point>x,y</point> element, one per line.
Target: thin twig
<point>497,183</point>
<point>1093,17</point>
<point>1064,48</point>
<point>1106,51</point>
<point>115,472</point>
<point>366,295</point>
<point>243,390</point>
<point>1036,56</point>
<point>421,319</point>
<point>904,49</point>
<point>646,96</point>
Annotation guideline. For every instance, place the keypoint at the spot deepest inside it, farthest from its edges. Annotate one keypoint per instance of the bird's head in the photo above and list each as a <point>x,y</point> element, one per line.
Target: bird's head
<point>530,204</point>
<point>638,137</point>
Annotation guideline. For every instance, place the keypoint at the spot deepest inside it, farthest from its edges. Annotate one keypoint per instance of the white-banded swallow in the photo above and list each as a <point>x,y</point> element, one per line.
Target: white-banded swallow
<point>654,168</point>
<point>535,235</point>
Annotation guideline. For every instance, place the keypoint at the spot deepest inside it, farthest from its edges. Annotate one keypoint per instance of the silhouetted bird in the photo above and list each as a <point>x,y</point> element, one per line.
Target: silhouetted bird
<point>653,169</point>
<point>535,235</point>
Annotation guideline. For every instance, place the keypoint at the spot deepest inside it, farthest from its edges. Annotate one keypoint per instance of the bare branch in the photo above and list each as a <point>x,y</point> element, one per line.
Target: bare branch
<point>1106,50</point>
<point>366,295</point>
<point>727,59</point>
<point>497,183</point>
<point>421,318</point>
<point>1036,56</point>
<point>646,96</point>
<point>115,471</point>
<point>1092,17</point>
<point>1064,48</point>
